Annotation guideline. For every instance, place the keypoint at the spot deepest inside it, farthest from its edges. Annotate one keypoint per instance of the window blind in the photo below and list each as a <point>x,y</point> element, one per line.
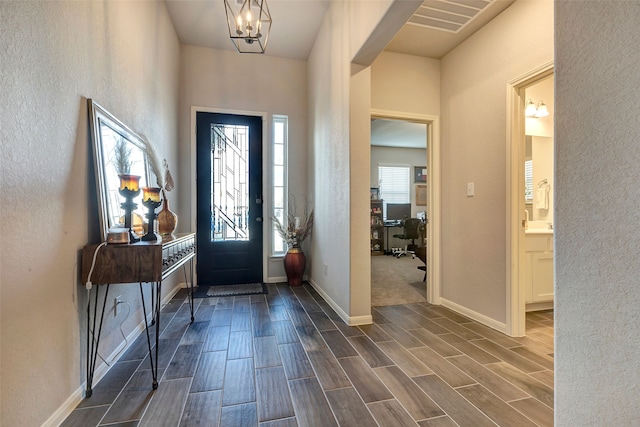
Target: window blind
<point>528,181</point>
<point>394,185</point>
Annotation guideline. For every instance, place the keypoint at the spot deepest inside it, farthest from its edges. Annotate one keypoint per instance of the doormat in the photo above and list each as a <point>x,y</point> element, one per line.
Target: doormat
<point>230,290</point>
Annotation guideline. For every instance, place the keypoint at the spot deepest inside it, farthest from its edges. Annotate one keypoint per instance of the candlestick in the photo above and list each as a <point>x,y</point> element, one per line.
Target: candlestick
<point>129,188</point>
<point>151,199</point>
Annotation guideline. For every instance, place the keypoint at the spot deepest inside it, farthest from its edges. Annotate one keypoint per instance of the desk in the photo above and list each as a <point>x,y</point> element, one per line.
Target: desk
<point>140,262</point>
<point>387,226</point>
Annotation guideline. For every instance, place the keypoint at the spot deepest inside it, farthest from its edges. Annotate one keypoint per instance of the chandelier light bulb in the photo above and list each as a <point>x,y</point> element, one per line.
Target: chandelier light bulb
<point>239,25</point>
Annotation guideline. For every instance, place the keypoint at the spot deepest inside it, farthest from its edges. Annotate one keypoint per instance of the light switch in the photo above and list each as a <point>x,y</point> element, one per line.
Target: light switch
<point>470,189</point>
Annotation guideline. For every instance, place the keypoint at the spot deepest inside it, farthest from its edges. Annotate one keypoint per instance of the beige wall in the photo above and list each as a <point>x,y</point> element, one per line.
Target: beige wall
<point>224,80</point>
<point>329,139</point>
<point>597,216</point>
<point>339,138</point>
<point>474,150</point>
<point>54,56</point>
<point>405,84</point>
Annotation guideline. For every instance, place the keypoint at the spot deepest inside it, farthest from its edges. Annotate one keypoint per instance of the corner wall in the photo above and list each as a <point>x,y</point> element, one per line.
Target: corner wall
<point>597,235</point>
<point>339,111</point>
<point>474,270</point>
<point>124,55</point>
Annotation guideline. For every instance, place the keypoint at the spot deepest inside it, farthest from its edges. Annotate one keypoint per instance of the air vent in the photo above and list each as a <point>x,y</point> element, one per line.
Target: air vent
<point>448,15</point>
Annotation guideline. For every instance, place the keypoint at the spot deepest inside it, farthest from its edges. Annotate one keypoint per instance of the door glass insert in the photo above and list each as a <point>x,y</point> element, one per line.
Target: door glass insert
<point>229,183</point>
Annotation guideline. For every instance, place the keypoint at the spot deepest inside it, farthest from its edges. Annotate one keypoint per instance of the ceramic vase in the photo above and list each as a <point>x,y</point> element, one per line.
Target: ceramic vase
<point>167,220</point>
<point>294,265</point>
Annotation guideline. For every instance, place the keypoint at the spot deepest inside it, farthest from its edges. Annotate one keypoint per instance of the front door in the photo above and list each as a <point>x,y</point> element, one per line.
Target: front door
<point>229,199</point>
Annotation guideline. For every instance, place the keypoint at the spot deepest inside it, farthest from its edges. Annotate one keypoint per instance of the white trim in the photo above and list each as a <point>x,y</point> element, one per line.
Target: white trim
<point>515,310</point>
<point>478,317</point>
<point>350,321</point>
<point>266,203</point>
<point>537,306</point>
<point>434,247</point>
<point>101,371</point>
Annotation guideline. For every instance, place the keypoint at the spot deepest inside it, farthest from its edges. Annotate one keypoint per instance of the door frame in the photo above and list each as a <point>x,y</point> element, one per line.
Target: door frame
<point>434,247</point>
<point>515,310</point>
<point>266,198</point>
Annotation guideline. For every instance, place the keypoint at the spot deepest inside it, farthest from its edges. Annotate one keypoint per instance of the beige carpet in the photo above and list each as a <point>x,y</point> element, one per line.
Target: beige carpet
<point>396,281</point>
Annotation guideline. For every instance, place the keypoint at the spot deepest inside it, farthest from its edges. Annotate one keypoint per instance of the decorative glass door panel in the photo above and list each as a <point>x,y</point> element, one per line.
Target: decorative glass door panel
<point>230,182</point>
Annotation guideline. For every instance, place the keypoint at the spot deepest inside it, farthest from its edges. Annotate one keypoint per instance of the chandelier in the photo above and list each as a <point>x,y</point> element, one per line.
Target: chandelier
<point>249,24</point>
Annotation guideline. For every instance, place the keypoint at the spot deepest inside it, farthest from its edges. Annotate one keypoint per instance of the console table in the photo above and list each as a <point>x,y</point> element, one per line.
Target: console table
<point>140,262</point>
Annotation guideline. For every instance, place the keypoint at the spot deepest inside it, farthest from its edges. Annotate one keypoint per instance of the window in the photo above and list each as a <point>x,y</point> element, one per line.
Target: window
<point>279,202</point>
<point>394,185</point>
<point>528,181</point>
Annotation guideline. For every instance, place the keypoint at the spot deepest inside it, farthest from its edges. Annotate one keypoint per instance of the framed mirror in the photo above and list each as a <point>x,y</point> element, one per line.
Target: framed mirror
<point>115,146</point>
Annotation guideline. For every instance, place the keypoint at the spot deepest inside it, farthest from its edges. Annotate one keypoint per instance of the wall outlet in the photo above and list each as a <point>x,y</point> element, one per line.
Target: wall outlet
<point>326,269</point>
<point>117,300</point>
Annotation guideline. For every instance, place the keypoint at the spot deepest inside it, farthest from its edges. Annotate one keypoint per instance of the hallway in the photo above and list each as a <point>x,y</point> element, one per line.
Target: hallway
<point>286,359</point>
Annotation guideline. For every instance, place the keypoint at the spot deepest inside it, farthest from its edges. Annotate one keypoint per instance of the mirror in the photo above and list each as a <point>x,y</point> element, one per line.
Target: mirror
<point>110,137</point>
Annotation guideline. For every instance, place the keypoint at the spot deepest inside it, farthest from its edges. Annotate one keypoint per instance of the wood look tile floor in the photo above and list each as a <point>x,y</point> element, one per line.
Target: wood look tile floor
<point>287,359</point>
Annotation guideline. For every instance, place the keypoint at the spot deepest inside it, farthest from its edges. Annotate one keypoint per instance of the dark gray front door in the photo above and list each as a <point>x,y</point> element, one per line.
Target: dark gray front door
<point>229,198</point>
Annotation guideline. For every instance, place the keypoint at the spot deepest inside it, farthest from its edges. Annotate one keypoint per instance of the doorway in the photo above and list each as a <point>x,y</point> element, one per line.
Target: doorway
<point>229,199</point>
<point>431,159</point>
<point>530,198</point>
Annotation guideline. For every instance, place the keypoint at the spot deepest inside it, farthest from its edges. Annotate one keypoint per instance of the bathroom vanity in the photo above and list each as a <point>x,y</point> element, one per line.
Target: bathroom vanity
<point>537,268</point>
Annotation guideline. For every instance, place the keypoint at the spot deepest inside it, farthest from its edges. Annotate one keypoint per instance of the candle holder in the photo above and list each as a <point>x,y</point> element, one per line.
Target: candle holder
<point>129,188</point>
<point>151,200</point>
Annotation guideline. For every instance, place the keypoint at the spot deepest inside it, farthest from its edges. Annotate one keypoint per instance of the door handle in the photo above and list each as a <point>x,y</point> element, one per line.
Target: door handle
<point>259,219</point>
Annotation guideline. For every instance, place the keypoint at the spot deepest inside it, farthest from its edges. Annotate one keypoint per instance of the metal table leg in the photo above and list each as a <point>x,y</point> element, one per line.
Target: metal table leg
<point>93,340</point>
<point>155,305</point>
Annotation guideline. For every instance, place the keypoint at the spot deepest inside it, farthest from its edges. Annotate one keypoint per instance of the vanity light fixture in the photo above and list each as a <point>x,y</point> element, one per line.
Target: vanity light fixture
<point>249,24</point>
<point>536,112</point>
<point>542,110</point>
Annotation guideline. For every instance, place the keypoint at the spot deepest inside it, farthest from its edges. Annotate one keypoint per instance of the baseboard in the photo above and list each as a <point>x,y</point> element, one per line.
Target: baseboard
<point>101,371</point>
<point>283,279</point>
<point>348,320</point>
<point>485,320</point>
<point>538,306</point>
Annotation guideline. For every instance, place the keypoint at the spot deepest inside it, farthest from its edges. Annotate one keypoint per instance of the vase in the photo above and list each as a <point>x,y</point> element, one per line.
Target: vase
<point>294,265</point>
<point>167,220</point>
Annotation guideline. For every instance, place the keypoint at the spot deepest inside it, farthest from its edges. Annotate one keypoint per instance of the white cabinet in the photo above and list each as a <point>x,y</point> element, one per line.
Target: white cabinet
<point>537,274</point>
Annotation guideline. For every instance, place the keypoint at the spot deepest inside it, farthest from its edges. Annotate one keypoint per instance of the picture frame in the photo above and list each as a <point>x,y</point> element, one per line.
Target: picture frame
<point>106,131</point>
<point>375,193</point>
<point>421,195</point>
<point>420,174</point>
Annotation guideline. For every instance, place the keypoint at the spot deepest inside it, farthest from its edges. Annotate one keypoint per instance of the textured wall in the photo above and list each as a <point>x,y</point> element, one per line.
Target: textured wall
<point>405,84</point>
<point>329,138</point>
<point>339,132</point>
<point>54,56</point>
<point>473,92</point>
<point>226,80</point>
<point>597,213</point>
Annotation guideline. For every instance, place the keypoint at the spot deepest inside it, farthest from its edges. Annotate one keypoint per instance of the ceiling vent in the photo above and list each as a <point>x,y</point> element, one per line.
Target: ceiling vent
<point>448,15</point>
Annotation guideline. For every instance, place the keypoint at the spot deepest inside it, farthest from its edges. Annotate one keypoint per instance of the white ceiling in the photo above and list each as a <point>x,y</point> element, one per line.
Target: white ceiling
<point>295,25</point>
<point>437,27</point>
<point>398,133</point>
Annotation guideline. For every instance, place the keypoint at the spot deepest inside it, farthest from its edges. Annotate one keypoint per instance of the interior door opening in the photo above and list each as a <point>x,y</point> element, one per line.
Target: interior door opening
<point>531,200</point>
<point>399,143</point>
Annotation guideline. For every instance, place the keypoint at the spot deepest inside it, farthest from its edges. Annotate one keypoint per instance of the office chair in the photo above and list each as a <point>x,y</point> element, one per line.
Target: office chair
<point>411,232</point>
